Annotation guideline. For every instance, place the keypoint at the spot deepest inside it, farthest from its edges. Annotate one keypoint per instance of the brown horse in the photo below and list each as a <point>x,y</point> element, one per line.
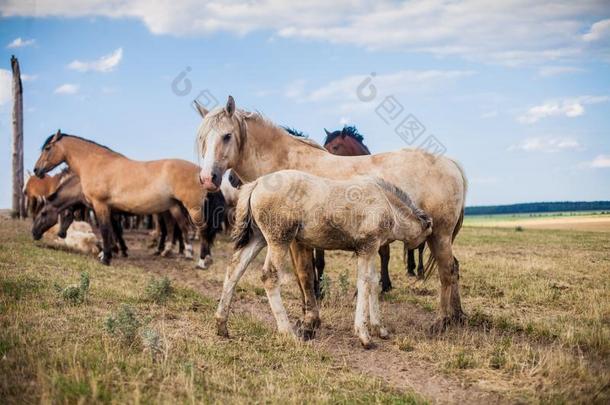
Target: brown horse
<point>348,142</point>
<point>37,189</point>
<point>111,181</point>
<point>358,215</point>
<point>253,146</point>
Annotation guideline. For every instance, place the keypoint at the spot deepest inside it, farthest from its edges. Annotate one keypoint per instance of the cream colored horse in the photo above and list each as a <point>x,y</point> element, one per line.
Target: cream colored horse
<point>111,181</point>
<point>359,215</point>
<point>252,146</point>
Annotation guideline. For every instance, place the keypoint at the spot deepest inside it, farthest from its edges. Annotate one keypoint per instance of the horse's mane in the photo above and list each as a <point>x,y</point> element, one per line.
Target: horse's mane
<point>404,198</point>
<point>48,140</point>
<point>350,131</point>
<point>242,117</point>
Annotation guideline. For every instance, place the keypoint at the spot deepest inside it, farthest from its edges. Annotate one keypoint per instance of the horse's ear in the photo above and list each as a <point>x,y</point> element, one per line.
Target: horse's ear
<point>343,133</point>
<point>230,107</point>
<point>327,132</point>
<point>200,108</point>
<point>57,136</point>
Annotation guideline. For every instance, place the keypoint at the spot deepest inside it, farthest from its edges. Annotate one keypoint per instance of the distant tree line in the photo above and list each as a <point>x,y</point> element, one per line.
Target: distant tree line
<point>539,207</point>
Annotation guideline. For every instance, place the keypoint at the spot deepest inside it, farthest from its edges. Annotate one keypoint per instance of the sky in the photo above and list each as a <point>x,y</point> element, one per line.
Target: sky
<point>518,93</point>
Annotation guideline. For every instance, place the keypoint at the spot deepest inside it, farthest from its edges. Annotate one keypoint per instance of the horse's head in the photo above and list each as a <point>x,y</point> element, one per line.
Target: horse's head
<point>45,219</point>
<point>219,139</point>
<point>51,156</point>
<point>345,142</point>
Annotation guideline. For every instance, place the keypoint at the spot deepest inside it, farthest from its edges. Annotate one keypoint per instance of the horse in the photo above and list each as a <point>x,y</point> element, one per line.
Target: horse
<point>79,237</point>
<point>349,142</point>
<point>37,189</point>
<point>60,207</point>
<point>110,181</point>
<point>358,215</point>
<point>251,145</point>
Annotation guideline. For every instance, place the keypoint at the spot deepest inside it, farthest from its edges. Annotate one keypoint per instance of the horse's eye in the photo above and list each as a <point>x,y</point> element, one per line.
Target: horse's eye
<point>226,138</point>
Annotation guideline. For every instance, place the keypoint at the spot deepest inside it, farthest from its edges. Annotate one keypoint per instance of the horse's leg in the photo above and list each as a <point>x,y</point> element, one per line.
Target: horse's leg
<point>274,261</point>
<point>410,261</point>
<point>102,213</point>
<point>319,264</point>
<point>375,313</point>
<point>182,223</point>
<point>117,228</point>
<point>239,263</point>
<point>420,264</point>
<point>170,224</point>
<point>305,273</point>
<point>360,318</point>
<point>161,233</point>
<point>448,271</point>
<point>177,238</point>
<point>384,254</point>
<point>65,220</point>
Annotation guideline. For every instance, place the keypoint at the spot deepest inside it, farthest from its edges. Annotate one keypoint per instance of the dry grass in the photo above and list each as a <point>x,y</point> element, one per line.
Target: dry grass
<point>539,314</point>
<point>54,352</point>
<point>539,329</point>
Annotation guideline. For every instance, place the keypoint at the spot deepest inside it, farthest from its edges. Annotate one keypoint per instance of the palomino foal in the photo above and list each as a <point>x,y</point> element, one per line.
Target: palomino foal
<point>358,215</point>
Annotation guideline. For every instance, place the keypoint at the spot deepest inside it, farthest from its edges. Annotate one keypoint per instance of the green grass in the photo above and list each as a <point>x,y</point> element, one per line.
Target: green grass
<point>54,352</point>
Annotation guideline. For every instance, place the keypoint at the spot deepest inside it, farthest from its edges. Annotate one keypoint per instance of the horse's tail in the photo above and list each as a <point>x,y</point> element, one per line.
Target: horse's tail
<point>213,211</point>
<point>244,223</point>
<point>458,226</point>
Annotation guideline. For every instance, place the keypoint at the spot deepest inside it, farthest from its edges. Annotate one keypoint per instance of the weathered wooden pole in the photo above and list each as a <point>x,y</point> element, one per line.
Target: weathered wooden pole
<point>18,200</point>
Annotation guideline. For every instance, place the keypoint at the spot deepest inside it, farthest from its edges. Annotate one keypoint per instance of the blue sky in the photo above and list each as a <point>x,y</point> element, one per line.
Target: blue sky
<point>519,94</point>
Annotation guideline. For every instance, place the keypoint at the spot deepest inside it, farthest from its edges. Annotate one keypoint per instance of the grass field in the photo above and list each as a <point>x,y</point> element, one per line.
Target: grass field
<point>539,329</point>
<point>571,221</point>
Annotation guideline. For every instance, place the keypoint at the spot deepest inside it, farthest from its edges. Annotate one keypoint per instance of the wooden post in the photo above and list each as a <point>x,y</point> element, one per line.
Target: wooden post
<point>18,199</point>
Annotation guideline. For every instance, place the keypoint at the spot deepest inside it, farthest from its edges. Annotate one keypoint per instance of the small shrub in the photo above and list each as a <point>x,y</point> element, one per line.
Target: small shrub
<point>344,282</point>
<point>152,343</point>
<point>519,228</point>
<point>75,294</point>
<point>325,283</point>
<point>159,290</point>
<point>462,361</point>
<point>124,324</point>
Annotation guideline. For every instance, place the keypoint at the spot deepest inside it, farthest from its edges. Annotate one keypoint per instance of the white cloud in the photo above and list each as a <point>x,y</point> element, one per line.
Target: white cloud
<point>599,30</point>
<point>508,32</point>
<point>20,43</point>
<point>295,89</point>
<point>546,144</point>
<point>67,88</point>
<point>6,82</point>
<point>106,63</point>
<point>568,107</point>
<point>401,82</point>
<point>28,78</point>
<point>600,162</point>
<point>549,71</point>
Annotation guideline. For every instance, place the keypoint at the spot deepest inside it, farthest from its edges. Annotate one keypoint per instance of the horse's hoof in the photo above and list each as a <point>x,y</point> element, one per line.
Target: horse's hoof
<point>205,262</point>
<point>440,325</point>
<point>410,274</point>
<point>386,288</point>
<point>157,253</point>
<point>366,343</point>
<point>105,261</point>
<point>305,332</point>
<point>124,254</point>
<point>221,329</point>
<point>188,255</point>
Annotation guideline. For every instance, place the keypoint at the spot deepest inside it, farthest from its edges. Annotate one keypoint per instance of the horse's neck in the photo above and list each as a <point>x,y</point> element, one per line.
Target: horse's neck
<point>268,150</point>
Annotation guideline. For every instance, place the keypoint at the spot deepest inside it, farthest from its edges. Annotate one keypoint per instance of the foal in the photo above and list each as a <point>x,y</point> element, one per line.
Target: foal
<point>358,215</point>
